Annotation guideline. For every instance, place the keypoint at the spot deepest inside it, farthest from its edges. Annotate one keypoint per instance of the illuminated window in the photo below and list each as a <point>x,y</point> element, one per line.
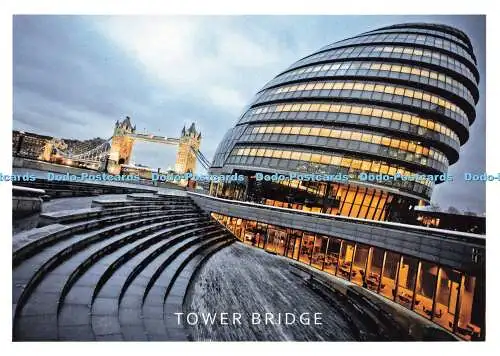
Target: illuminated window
<point>356,164</point>
<point>346,162</point>
<point>356,110</point>
<point>316,158</point>
<point>315,131</point>
<point>345,109</point>
<point>305,130</point>
<point>399,91</point>
<point>356,136</point>
<point>369,87</point>
<point>366,138</point>
<point>325,159</point>
<point>286,155</point>
<point>346,135</point>
<point>324,107</point>
<point>335,160</point>
<point>325,132</point>
<point>389,90</point>
<point>386,141</point>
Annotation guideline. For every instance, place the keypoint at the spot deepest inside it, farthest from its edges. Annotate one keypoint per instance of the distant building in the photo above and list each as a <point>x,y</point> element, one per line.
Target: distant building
<point>189,143</point>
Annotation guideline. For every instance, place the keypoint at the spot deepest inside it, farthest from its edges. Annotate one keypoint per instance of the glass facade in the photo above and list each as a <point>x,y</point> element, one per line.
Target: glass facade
<point>393,102</point>
<point>396,101</point>
<point>450,298</point>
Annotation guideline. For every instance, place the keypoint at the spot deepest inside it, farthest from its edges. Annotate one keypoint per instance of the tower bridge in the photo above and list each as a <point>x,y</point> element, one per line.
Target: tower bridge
<point>114,152</point>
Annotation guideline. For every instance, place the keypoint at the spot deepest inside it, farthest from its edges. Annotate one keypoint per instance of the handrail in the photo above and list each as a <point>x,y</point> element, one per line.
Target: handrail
<point>480,239</point>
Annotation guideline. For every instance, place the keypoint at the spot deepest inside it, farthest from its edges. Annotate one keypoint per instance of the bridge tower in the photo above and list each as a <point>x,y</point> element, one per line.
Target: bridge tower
<point>186,159</point>
<point>121,146</point>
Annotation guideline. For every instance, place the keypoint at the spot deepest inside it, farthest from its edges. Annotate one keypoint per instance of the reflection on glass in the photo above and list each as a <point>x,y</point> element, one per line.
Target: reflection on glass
<point>276,238</point>
<point>406,281</point>
<point>345,260</point>
<point>389,273</point>
<point>358,275</point>
<point>261,234</point>
<point>332,255</point>
<point>426,284</point>
<point>318,254</point>
<point>468,327</point>
<point>374,268</point>
<point>306,248</point>
<point>448,287</point>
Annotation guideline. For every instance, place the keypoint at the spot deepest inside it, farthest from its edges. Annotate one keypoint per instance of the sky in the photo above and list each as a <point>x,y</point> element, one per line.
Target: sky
<point>74,76</point>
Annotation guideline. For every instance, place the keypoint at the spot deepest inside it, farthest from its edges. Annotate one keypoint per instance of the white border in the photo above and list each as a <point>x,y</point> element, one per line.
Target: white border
<point>257,7</point>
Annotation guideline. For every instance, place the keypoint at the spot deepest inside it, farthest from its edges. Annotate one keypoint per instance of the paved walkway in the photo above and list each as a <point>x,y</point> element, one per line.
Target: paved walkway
<point>246,280</point>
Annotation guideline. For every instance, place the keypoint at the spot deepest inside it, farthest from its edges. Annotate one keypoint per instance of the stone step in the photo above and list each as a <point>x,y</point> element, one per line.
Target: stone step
<point>112,203</point>
<point>28,274</point>
<point>29,242</point>
<point>105,305</point>
<point>68,216</point>
<point>161,287</point>
<point>52,289</point>
<point>179,289</point>
<point>163,197</point>
<point>140,283</point>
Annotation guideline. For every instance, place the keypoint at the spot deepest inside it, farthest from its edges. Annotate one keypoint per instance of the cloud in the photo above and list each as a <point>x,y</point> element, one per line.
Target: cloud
<point>74,76</point>
<point>196,56</point>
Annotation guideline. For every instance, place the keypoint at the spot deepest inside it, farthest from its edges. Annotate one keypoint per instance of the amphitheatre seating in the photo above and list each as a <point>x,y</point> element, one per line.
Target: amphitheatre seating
<point>115,271</point>
<point>62,189</point>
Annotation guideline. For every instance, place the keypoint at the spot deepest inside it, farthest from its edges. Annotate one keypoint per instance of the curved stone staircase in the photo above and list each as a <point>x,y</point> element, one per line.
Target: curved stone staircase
<point>115,271</point>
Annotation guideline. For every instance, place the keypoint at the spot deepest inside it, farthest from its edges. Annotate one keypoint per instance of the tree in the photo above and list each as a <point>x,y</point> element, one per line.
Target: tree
<point>453,210</point>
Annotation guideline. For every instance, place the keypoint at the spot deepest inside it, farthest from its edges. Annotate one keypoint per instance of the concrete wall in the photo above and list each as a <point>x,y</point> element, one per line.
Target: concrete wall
<point>18,162</point>
<point>24,206</point>
<point>447,248</point>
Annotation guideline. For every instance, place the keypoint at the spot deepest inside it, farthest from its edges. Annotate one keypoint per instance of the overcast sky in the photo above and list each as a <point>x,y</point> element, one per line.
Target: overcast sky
<point>75,75</point>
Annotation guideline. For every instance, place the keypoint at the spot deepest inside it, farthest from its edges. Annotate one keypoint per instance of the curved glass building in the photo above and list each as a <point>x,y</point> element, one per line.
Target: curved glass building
<point>387,109</point>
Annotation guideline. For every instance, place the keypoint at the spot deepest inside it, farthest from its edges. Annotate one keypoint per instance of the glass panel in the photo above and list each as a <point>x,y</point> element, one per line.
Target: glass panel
<point>261,234</point>
<point>374,268</point>
<point>296,249</point>
<point>426,284</point>
<point>319,249</point>
<point>306,248</point>
<point>406,281</point>
<point>345,260</point>
<point>359,265</point>
<point>471,314</point>
<point>332,255</point>
<point>446,297</point>
<point>388,285</point>
<point>276,238</point>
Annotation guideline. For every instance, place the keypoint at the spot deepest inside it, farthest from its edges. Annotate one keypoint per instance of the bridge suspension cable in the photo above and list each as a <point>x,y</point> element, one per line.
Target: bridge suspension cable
<point>201,158</point>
